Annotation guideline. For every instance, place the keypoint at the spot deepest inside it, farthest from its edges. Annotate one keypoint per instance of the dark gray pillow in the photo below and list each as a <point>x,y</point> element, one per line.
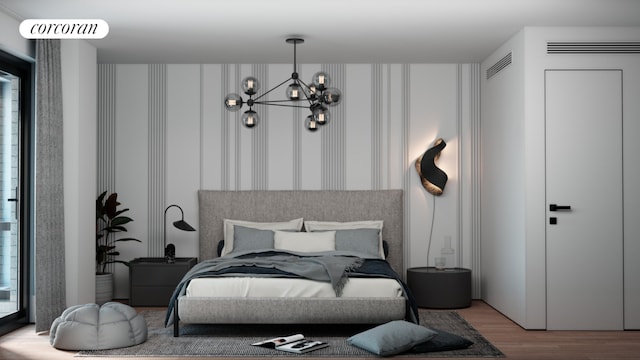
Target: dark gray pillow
<point>443,341</point>
<point>248,239</point>
<point>362,240</point>
<point>392,338</point>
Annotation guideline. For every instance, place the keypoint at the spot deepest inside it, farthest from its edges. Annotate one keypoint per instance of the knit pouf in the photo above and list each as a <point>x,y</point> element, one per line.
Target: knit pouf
<point>94,327</point>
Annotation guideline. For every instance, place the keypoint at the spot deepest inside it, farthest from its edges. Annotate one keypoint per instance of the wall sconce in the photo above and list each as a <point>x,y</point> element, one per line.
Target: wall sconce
<point>433,179</point>
<point>170,250</point>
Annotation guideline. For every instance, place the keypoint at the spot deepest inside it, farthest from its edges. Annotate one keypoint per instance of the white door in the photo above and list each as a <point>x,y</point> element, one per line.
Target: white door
<point>583,110</point>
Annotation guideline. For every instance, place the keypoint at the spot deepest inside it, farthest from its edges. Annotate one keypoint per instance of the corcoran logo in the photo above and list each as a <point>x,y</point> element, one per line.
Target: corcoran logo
<point>64,29</point>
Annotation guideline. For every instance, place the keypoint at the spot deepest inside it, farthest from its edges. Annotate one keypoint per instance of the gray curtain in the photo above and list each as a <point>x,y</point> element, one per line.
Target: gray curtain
<point>49,222</point>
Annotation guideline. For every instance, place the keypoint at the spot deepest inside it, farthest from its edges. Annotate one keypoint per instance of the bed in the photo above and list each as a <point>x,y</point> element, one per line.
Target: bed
<point>224,289</point>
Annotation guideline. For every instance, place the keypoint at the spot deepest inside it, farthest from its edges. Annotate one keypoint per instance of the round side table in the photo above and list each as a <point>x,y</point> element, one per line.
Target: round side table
<point>440,289</point>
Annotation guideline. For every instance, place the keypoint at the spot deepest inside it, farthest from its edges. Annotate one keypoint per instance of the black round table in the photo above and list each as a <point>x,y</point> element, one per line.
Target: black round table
<point>440,289</point>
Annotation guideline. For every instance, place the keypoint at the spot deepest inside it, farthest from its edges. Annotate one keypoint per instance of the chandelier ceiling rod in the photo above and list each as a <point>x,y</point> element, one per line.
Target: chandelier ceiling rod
<point>318,95</point>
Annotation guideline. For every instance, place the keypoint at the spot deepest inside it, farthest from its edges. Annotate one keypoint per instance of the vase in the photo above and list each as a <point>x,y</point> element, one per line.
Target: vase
<point>104,288</point>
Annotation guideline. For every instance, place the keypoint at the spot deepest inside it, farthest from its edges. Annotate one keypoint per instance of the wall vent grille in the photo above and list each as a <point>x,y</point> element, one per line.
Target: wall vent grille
<point>594,47</point>
<point>501,64</point>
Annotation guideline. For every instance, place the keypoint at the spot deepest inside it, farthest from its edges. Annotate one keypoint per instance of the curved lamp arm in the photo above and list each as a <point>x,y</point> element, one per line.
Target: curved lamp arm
<point>179,224</point>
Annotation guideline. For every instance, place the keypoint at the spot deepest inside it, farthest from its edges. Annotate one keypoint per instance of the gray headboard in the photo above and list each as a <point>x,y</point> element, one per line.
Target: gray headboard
<point>256,205</point>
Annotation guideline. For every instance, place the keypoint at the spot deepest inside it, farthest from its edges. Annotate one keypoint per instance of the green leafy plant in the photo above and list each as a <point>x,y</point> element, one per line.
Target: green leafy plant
<point>109,222</point>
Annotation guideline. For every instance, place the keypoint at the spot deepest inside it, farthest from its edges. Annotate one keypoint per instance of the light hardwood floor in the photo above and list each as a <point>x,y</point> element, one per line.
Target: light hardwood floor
<point>510,338</point>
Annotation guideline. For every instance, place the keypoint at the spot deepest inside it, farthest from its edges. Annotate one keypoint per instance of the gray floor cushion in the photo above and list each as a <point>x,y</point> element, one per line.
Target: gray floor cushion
<point>93,327</point>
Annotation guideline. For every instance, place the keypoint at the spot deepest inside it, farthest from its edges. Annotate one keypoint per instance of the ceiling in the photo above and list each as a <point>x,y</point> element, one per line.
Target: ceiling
<point>335,31</point>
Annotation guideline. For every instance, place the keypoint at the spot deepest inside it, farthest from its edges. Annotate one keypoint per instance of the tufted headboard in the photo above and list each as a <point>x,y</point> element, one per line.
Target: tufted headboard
<point>320,205</point>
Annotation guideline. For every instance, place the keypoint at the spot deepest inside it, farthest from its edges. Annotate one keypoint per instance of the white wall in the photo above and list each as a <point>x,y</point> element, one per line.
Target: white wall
<point>513,238</point>
<point>79,80</point>
<point>503,187</point>
<point>372,142</point>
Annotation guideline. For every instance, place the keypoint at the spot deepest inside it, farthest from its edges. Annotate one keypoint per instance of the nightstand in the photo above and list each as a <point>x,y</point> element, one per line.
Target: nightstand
<point>440,289</point>
<point>152,280</point>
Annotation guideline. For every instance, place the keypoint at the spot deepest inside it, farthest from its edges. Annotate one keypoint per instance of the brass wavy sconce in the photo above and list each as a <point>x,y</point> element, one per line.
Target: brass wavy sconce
<point>433,178</point>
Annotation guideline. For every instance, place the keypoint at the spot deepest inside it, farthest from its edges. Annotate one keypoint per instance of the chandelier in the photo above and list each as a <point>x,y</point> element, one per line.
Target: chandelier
<point>317,96</point>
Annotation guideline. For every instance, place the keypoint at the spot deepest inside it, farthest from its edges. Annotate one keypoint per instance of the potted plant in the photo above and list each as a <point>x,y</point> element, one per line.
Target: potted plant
<point>109,221</point>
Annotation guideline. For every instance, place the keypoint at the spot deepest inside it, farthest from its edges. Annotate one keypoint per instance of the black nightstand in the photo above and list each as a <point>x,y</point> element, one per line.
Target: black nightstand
<point>440,289</point>
<point>152,280</point>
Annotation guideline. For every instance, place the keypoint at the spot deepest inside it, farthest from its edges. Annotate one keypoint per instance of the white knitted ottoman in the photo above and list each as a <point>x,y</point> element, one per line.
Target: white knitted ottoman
<point>92,327</point>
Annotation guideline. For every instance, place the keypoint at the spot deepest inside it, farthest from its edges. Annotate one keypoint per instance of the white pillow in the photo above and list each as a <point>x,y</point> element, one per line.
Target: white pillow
<point>295,224</point>
<point>336,225</point>
<point>304,241</point>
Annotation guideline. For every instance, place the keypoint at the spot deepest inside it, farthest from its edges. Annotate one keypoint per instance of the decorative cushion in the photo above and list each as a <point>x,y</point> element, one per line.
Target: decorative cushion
<point>392,338</point>
<point>361,240</point>
<point>295,224</point>
<point>443,341</point>
<point>91,327</point>
<point>246,239</point>
<point>336,225</point>
<point>305,242</point>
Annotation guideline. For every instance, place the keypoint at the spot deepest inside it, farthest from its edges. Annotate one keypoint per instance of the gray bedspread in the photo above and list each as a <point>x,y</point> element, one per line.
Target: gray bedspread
<point>320,267</point>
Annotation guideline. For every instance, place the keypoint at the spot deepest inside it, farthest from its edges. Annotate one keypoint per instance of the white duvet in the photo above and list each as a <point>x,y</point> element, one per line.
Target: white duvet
<point>288,287</point>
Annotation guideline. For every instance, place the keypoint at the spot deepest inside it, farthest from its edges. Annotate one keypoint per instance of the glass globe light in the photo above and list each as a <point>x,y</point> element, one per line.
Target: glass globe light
<point>313,92</point>
<point>250,118</point>
<point>233,102</point>
<point>311,124</point>
<point>250,85</point>
<point>294,92</point>
<point>321,115</point>
<point>320,80</point>
<point>331,96</point>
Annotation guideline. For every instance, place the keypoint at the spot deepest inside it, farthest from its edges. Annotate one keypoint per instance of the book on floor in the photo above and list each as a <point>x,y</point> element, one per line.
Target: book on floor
<point>292,343</point>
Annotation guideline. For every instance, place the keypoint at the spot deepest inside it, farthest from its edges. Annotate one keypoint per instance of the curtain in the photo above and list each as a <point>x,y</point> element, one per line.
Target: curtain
<point>49,212</point>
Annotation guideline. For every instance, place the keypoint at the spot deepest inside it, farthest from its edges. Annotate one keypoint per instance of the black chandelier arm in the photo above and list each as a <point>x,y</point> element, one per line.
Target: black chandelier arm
<point>304,84</point>
<point>273,88</point>
<point>276,103</point>
<point>306,90</point>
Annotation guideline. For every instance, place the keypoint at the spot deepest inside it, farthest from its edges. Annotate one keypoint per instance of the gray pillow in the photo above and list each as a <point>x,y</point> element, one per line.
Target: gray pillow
<point>392,338</point>
<point>248,239</point>
<point>443,341</point>
<point>362,240</point>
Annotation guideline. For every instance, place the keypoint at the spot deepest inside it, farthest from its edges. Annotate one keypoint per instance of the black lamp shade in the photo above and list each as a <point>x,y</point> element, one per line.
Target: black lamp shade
<point>183,225</point>
<point>433,178</point>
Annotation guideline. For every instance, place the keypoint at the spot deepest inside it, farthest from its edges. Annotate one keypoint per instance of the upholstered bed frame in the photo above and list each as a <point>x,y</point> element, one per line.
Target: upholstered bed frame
<point>269,206</point>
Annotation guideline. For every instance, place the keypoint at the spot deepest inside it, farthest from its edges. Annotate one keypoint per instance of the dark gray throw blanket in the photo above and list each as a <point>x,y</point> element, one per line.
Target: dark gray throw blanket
<point>328,268</point>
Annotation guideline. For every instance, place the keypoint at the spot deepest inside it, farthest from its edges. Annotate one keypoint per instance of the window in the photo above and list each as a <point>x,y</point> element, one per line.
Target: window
<point>16,185</point>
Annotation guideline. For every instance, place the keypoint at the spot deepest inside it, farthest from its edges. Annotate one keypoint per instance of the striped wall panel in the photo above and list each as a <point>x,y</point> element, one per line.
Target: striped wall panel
<point>244,159</point>
<point>106,126</point>
<point>106,129</point>
<point>157,157</point>
<point>406,160</point>
<point>333,136</point>
<point>260,135</point>
<point>377,101</point>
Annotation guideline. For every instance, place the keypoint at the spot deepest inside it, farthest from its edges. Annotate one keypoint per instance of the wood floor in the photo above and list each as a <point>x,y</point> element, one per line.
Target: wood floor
<point>511,339</point>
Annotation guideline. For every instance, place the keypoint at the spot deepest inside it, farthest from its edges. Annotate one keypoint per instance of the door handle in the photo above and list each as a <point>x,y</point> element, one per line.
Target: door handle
<point>14,199</point>
<point>554,207</point>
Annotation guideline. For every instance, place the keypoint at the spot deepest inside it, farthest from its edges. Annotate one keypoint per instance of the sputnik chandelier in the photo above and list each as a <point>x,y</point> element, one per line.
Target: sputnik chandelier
<point>316,96</point>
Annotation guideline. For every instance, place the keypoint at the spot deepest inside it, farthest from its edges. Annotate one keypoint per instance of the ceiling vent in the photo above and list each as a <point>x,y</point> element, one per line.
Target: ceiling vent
<point>594,47</point>
<point>501,64</point>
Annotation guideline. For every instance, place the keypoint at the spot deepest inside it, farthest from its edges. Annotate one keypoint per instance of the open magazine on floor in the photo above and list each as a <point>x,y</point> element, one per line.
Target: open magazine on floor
<point>292,343</point>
